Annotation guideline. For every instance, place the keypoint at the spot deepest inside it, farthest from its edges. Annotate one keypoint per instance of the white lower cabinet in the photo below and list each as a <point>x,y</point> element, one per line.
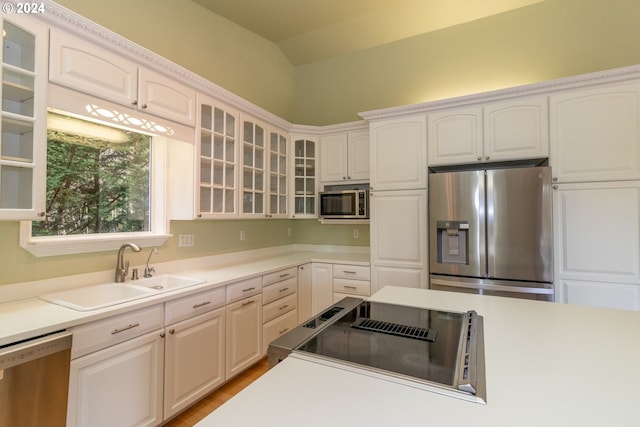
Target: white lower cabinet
<point>597,243</point>
<point>305,288</point>
<point>194,360</point>
<point>351,281</point>
<point>118,386</point>
<point>322,290</point>
<point>280,303</point>
<point>244,334</point>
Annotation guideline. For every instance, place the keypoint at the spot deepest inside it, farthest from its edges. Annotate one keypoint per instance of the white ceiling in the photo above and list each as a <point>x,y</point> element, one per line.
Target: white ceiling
<point>312,30</point>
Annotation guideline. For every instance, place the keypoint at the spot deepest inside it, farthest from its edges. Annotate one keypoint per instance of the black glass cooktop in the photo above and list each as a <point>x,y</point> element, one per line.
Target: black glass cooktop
<point>415,342</point>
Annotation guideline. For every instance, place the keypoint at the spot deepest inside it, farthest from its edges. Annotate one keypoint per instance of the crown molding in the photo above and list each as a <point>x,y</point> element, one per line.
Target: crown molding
<point>547,87</point>
<point>67,20</point>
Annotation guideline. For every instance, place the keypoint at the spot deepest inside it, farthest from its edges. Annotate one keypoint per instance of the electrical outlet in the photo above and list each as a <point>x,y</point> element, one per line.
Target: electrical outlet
<point>243,235</point>
<point>186,240</point>
<point>356,233</point>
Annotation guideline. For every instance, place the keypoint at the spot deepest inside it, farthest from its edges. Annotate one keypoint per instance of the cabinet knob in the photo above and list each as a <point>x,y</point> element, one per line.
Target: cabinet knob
<point>162,335</point>
<point>199,215</point>
<point>134,102</point>
<point>555,179</point>
<point>344,177</point>
<point>172,331</point>
<point>144,105</point>
<point>555,187</point>
<point>41,214</point>
<point>479,158</point>
<point>486,158</point>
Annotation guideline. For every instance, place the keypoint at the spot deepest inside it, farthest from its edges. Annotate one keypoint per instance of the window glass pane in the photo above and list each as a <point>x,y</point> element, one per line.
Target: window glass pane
<point>98,179</point>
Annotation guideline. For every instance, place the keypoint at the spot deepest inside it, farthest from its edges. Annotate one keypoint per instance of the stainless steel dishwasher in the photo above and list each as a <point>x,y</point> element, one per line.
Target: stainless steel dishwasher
<point>34,381</point>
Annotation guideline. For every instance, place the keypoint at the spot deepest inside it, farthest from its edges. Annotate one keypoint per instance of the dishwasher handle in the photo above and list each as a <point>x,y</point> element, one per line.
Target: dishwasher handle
<point>34,348</point>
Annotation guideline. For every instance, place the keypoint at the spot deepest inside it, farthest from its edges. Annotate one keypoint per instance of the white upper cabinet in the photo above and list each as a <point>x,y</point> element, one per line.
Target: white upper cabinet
<point>278,149</point>
<point>399,153</point>
<point>514,129</point>
<point>305,183</point>
<point>94,70</point>
<point>254,168</point>
<point>344,157</point>
<point>216,160</point>
<point>595,133</point>
<point>23,145</point>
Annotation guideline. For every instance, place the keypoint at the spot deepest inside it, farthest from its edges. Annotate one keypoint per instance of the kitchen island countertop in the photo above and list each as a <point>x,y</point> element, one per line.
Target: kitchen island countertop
<point>547,364</point>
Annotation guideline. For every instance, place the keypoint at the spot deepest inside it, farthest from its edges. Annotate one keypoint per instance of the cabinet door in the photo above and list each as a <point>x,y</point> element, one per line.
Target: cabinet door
<point>164,97</point>
<point>194,360</point>
<point>118,386</point>
<point>254,168</point>
<point>333,158</point>
<point>455,136</point>
<point>23,147</point>
<point>305,290</point>
<point>384,275</point>
<point>277,327</point>
<point>322,292</point>
<point>244,333</point>
<point>398,156</point>
<point>595,133</point>
<point>305,188</point>
<point>597,244</point>
<point>83,66</point>
<point>399,232</point>
<point>358,155</point>
<point>278,173</point>
<point>216,160</point>
<point>516,129</point>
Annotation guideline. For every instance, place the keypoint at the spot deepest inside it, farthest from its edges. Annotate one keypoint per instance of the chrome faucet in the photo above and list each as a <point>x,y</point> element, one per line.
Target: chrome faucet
<point>122,268</point>
<point>148,270</point>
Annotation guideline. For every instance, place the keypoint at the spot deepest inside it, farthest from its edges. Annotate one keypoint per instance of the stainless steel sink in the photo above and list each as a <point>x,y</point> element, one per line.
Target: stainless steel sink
<point>99,296</point>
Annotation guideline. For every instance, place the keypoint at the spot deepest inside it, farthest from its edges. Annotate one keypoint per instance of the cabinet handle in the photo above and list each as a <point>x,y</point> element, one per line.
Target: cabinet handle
<point>202,304</point>
<point>283,307</point>
<point>284,275</point>
<point>126,328</point>
<point>249,289</point>
<point>349,287</point>
<point>348,272</point>
<point>283,331</point>
<point>284,289</point>
<point>248,302</point>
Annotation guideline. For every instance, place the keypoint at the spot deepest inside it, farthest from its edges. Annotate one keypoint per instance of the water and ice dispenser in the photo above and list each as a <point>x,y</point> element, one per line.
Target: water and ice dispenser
<point>453,242</point>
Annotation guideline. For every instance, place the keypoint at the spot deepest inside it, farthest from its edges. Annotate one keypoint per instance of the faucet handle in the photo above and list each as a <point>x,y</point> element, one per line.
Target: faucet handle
<point>134,274</point>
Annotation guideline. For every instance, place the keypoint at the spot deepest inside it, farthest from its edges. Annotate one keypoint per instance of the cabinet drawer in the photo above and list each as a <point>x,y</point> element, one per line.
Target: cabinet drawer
<point>279,290</point>
<point>107,332</point>
<point>193,305</point>
<point>278,276</point>
<point>357,272</point>
<point>278,326</point>
<point>281,306</point>
<point>244,289</point>
<point>352,287</point>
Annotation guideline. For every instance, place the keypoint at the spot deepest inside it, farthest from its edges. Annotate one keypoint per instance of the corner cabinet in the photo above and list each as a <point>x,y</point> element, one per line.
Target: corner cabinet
<point>216,157</point>
<point>514,129</point>
<point>305,182</point>
<point>23,145</point>
<point>344,157</point>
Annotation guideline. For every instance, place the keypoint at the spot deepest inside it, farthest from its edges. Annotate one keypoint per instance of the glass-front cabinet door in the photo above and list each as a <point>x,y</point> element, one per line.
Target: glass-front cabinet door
<point>23,119</point>
<point>217,154</point>
<point>278,191</point>
<point>253,168</point>
<point>304,177</point>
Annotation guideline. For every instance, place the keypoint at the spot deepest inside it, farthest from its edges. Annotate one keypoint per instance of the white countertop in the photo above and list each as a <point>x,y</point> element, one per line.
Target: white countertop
<point>547,364</point>
<point>30,317</point>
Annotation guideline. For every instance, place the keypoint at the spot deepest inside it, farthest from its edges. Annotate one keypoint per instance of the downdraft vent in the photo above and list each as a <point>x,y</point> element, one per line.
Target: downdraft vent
<point>412,332</point>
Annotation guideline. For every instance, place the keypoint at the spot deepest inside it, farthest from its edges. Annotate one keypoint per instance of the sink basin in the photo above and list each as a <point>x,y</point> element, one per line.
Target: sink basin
<point>98,296</point>
<point>165,283</point>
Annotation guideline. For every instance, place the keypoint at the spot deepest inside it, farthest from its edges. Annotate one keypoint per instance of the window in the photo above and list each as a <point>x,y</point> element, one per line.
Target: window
<point>105,187</point>
<point>98,179</point>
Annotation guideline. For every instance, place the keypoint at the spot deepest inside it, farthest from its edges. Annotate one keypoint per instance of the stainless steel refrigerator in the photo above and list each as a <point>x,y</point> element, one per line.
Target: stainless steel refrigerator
<point>491,232</point>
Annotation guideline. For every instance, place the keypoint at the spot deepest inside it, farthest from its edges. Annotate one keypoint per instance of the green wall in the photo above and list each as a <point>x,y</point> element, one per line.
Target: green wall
<point>544,41</point>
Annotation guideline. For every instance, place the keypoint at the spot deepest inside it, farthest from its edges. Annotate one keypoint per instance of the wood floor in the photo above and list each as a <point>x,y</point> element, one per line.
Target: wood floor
<point>212,401</point>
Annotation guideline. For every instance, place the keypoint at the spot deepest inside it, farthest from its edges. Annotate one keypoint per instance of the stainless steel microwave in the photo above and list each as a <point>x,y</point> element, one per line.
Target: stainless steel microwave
<point>344,204</point>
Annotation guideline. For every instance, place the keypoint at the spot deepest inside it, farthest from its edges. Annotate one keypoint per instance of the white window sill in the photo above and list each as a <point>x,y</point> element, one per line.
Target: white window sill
<point>67,245</point>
